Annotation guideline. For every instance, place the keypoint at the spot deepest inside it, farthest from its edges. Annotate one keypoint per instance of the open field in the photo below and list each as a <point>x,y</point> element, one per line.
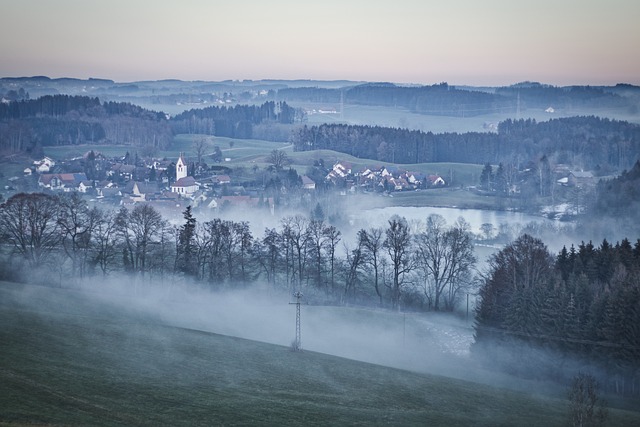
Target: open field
<point>69,359</point>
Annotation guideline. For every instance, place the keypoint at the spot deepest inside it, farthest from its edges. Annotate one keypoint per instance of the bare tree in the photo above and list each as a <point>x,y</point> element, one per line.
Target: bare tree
<point>145,224</point>
<point>294,231</point>
<point>585,407</point>
<point>446,256</point>
<point>278,159</point>
<point>332,235</point>
<point>268,255</point>
<point>316,242</point>
<point>353,263</point>
<point>29,222</point>
<point>76,223</point>
<point>398,244</point>
<point>105,240</point>
<point>200,146</point>
<point>372,244</point>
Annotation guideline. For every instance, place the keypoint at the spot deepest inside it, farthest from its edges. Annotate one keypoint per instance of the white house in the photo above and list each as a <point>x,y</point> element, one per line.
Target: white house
<point>44,165</point>
<point>340,170</point>
<point>435,180</point>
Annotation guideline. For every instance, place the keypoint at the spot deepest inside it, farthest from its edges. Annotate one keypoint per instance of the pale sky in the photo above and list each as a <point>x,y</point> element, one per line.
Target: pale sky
<point>475,42</point>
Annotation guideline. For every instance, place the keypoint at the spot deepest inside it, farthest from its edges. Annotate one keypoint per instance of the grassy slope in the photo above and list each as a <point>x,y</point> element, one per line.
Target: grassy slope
<point>67,361</point>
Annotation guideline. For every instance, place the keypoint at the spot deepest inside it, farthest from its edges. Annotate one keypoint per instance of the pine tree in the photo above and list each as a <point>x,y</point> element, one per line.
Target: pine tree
<point>486,177</point>
<point>186,251</point>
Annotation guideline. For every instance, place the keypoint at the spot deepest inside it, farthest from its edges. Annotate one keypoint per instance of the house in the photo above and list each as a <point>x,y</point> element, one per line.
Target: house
<point>435,181</point>
<point>222,179</point>
<point>108,193</point>
<point>125,172</point>
<point>580,179</point>
<point>45,165</point>
<point>339,170</point>
<point>415,179</point>
<point>84,186</point>
<point>144,191</point>
<point>308,183</point>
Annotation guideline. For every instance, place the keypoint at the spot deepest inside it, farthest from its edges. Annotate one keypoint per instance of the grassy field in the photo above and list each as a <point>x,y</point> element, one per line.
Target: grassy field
<point>67,360</point>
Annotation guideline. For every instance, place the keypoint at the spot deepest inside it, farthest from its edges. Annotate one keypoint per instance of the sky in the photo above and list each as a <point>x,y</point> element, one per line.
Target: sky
<point>462,42</point>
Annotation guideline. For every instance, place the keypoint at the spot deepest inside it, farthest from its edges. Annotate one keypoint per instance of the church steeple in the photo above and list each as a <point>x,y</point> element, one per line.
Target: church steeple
<point>181,168</point>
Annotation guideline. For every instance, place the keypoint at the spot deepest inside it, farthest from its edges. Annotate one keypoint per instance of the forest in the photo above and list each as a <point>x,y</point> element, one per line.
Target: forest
<point>233,122</point>
<point>29,125</point>
<point>588,141</point>
<point>581,306</point>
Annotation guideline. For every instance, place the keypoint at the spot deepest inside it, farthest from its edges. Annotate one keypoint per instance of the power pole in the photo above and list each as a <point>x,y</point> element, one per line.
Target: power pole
<point>297,344</point>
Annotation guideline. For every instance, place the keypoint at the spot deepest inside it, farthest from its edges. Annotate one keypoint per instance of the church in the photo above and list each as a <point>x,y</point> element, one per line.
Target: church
<point>184,185</point>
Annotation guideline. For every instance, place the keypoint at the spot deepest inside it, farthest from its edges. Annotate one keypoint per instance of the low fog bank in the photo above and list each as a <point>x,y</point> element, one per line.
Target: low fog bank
<point>427,343</point>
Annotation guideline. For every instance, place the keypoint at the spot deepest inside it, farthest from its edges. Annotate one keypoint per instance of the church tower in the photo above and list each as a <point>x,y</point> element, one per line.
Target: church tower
<point>181,168</point>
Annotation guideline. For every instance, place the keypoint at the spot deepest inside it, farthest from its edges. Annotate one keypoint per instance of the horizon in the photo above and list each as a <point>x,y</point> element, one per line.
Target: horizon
<point>496,43</point>
<point>86,79</point>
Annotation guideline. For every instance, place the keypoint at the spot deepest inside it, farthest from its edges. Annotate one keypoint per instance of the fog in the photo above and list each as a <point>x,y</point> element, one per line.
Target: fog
<point>426,343</point>
<point>434,343</point>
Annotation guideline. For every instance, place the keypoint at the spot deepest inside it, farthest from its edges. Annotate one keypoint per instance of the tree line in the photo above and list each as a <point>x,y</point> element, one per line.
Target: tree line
<point>426,267</point>
<point>590,141</point>
<point>233,122</point>
<point>582,304</point>
<point>445,100</point>
<point>29,125</point>
<point>619,197</point>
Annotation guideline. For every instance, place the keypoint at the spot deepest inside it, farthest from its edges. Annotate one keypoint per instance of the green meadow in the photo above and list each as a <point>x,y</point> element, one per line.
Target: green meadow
<point>68,359</point>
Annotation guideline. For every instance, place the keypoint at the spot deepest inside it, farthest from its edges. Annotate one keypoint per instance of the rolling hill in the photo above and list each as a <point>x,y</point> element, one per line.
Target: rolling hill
<point>73,358</point>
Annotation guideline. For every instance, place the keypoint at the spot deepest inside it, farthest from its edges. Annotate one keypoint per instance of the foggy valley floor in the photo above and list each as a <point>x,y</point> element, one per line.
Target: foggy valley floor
<point>95,358</point>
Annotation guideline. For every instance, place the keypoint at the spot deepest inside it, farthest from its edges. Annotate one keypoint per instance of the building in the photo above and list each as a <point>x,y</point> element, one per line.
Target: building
<point>185,185</point>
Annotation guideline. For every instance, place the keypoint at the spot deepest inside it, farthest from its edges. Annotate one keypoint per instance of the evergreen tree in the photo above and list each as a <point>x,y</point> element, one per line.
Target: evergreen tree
<point>186,262</point>
<point>486,177</point>
<point>501,184</point>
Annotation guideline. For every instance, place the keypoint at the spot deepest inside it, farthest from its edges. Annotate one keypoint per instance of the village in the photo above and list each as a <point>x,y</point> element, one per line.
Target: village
<point>170,185</point>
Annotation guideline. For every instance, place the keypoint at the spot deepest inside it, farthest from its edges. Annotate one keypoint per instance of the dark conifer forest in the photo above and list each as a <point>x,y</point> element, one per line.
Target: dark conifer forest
<point>582,304</point>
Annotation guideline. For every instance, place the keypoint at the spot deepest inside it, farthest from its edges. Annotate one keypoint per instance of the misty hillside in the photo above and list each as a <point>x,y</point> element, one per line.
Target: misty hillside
<point>74,359</point>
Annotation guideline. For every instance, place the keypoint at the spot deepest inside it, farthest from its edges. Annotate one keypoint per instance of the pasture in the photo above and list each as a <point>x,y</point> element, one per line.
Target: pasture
<point>69,358</point>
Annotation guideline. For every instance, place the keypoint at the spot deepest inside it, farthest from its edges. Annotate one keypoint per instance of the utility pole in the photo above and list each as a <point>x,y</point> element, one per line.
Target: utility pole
<point>297,344</point>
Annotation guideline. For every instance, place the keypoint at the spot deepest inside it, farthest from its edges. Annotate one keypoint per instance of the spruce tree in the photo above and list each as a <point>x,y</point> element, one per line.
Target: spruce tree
<point>186,251</point>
